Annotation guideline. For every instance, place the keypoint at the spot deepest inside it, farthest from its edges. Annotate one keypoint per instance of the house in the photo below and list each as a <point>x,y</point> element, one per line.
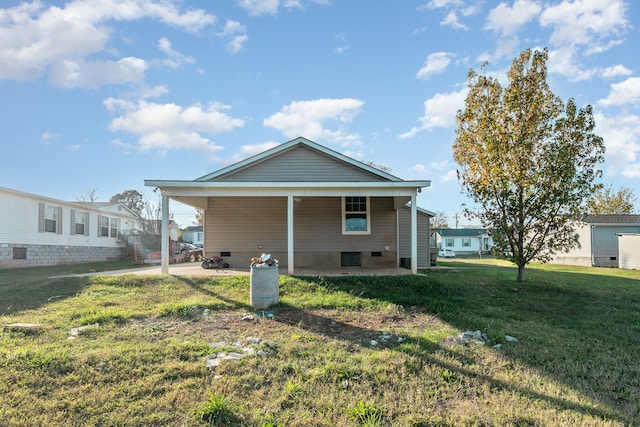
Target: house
<point>37,230</point>
<point>465,241</point>
<point>629,251</point>
<point>193,234</point>
<point>307,206</point>
<point>599,237</point>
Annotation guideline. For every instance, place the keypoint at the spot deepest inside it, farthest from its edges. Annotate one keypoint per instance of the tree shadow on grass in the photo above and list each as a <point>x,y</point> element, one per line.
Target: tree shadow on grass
<point>22,296</point>
<point>563,307</point>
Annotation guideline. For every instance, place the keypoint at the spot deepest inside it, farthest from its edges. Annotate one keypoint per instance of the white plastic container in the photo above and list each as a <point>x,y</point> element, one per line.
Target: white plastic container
<point>264,289</point>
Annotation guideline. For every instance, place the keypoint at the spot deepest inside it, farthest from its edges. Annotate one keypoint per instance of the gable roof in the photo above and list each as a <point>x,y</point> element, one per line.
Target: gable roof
<point>299,160</point>
<point>611,219</point>
<point>87,206</point>
<point>313,170</point>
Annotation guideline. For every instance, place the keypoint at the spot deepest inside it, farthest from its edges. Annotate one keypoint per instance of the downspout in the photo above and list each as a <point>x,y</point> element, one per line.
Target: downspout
<point>414,235</point>
<point>397,238</point>
<point>290,249</point>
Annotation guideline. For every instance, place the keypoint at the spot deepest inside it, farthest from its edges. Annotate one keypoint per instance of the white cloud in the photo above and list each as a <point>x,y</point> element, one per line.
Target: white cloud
<point>236,33</point>
<point>451,20</point>
<point>564,61</point>
<point>35,39</point>
<point>48,136</point>
<point>420,169</point>
<point>310,119</point>
<point>169,126</point>
<point>615,71</point>
<point>450,176</point>
<point>259,7</point>
<point>621,135</point>
<point>175,59</point>
<point>585,22</point>
<point>439,111</point>
<point>436,63</point>
<point>80,73</point>
<point>507,20</point>
<point>626,92</point>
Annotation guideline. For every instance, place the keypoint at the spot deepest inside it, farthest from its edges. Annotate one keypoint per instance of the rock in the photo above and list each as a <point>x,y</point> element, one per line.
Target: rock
<point>374,343</point>
<point>218,344</point>
<point>77,331</point>
<point>233,356</point>
<point>509,338</point>
<point>248,317</point>
<point>497,346</point>
<point>212,363</point>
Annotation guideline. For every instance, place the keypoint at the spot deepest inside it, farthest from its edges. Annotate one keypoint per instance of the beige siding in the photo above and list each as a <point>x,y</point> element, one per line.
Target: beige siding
<point>423,237</point>
<point>242,225</point>
<point>299,164</point>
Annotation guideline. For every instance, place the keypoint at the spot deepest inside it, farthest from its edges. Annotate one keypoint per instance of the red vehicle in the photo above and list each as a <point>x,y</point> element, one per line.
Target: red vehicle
<point>191,252</point>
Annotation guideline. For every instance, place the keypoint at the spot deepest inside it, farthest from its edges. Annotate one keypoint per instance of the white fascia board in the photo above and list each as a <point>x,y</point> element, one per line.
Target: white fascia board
<point>285,184</point>
<point>315,189</point>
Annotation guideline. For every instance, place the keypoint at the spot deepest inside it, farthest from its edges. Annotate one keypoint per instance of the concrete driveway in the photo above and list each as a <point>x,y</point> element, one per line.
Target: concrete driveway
<point>195,269</point>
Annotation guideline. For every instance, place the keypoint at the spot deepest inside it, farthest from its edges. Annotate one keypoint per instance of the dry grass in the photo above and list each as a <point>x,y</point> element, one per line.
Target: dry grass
<point>575,362</point>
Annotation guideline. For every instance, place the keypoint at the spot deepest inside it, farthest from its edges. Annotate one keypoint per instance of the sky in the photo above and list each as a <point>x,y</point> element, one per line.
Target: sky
<point>98,95</point>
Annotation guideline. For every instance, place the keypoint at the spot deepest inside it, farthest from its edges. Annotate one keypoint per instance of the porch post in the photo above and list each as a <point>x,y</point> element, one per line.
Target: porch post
<point>290,257</point>
<point>414,235</point>
<point>164,236</point>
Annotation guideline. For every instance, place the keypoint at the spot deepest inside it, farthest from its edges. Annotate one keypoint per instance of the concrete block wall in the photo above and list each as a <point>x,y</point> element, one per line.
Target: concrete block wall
<point>42,255</point>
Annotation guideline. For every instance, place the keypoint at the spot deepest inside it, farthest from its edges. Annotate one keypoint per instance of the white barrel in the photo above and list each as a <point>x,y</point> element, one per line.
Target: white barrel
<point>264,290</point>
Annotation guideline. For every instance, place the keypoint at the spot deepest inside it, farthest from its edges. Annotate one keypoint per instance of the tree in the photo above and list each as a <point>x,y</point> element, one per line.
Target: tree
<point>131,199</point>
<point>90,197</point>
<point>526,160</point>
<point>608,202</point>
<point>439,220</point>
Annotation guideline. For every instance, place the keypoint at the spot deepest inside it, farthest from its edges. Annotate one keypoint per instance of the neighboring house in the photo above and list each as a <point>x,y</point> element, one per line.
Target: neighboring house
<point>629,251</point>
<point>37,230</point>
<point>465,241</point>
<point>193,234</point>
<point>307,206</point>
<point>599,237</point>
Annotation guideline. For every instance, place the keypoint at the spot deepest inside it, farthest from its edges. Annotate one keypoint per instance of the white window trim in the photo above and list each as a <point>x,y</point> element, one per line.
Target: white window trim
<point>344,218</point>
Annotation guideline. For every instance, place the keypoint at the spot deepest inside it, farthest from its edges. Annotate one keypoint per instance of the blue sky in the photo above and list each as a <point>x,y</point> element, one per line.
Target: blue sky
<point>103,94</point>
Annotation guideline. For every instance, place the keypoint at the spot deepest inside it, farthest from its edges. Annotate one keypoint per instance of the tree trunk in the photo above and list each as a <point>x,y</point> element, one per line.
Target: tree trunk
<point>521,273</point>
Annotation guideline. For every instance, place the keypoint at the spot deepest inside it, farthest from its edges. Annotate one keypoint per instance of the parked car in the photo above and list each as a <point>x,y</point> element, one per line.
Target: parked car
<point>191,252</point>
<point>447,253</point>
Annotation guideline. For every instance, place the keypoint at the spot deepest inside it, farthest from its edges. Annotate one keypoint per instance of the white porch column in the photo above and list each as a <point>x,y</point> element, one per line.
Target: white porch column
<point>290,257</point>
<point>164,236</point>
<point>414,235</point>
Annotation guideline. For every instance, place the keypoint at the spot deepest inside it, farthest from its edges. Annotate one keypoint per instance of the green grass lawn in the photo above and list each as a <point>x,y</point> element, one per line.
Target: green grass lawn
<point>141,358</point>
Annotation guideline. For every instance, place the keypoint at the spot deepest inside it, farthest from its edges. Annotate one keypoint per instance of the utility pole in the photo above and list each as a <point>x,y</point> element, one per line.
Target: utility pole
<point>456,218</point>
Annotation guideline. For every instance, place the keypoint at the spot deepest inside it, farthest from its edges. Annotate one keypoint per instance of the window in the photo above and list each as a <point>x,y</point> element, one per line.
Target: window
<point>448,242</point>
<point>107,227</point>
<point>79,222</point>
<point>19,253</point>
<point>466,243</point>
<point>355,215</point>
<point>49,219</point>
<point>104,226</point>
